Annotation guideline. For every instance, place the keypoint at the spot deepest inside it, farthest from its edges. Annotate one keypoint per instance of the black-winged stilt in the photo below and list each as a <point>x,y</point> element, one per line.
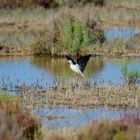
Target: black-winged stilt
<point>79,66</point>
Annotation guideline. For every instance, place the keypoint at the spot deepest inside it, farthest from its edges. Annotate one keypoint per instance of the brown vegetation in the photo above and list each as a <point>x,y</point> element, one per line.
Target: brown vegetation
<point>35,30</point>
<point>45,3</point>
<point>22,33</point>
<point>14,123</point>
<point>74,96</point>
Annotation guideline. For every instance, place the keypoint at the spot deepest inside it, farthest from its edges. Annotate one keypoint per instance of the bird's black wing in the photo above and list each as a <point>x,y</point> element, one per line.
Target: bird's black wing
<point>69,58</point>
<point>82,61</point>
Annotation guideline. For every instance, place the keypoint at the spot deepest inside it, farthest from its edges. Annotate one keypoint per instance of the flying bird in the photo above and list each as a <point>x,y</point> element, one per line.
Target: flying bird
<point>79,66</point>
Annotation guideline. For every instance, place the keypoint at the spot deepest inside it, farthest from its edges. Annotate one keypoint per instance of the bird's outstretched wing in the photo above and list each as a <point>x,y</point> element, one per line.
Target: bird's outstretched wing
<point>82,61</point>
<point>69,58</point>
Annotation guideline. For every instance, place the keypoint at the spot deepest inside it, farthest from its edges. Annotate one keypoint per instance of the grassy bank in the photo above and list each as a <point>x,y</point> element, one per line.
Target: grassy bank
<point>40,31</point>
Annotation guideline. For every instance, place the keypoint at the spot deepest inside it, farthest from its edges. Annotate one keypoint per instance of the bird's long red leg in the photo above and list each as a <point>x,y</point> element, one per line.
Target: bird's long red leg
<point>81,82</point>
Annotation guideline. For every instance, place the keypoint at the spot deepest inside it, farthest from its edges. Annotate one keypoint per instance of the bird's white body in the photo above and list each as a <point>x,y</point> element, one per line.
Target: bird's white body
<point>76,68</point>
<point>79,66</point>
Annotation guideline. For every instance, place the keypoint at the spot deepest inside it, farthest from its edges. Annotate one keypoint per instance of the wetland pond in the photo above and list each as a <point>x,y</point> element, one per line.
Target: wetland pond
<point>43,72</point>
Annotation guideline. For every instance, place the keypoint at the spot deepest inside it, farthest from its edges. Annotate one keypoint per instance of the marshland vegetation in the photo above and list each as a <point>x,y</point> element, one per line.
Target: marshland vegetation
<point>17,123</point>
<point>40,31</point>
<point>63,95</point>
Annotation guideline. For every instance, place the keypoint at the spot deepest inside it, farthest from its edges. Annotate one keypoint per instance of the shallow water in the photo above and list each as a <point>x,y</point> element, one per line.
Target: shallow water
<point>43,71</point>
<point>73,118</point>
<point>120,32</point>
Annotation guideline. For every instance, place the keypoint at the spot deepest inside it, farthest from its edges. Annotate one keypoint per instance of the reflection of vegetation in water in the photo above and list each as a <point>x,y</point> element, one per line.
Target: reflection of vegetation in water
<point>60,67</point>
<point>130,74</point>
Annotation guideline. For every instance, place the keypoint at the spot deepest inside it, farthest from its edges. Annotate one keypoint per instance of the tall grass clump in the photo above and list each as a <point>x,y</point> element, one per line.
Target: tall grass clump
<point>117,46</point>
<point>130,73</point>
<point>75,36</point>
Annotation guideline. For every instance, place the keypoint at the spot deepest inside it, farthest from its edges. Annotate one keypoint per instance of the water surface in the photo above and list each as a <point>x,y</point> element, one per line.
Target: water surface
<point>124,33</point>
<point>43,71</point>
<point>73,118</point>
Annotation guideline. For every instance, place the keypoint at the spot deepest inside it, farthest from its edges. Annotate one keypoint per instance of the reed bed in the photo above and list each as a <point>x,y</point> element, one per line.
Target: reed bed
<point>125,96</point>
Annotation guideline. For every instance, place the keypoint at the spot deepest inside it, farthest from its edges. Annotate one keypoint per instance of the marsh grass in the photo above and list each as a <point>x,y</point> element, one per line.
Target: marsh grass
<point>131,4</point>
<point>130,74</point>
<point>74,36</point>
<point>73,33</point>
<point>32,31</point>
<point>117,46</point>
<point>133,42</point>
<point>7,99</point>
<point>74,96</point>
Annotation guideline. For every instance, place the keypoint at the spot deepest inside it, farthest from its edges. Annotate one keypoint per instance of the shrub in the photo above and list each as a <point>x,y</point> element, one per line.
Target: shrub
<point>75,36</point>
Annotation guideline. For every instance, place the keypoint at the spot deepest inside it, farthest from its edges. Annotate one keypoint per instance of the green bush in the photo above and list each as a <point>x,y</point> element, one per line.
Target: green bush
<point>75,36</point>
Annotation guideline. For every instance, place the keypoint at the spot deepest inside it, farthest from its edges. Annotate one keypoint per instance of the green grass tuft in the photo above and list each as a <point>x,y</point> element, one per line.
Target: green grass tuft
<point>130,74</point>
